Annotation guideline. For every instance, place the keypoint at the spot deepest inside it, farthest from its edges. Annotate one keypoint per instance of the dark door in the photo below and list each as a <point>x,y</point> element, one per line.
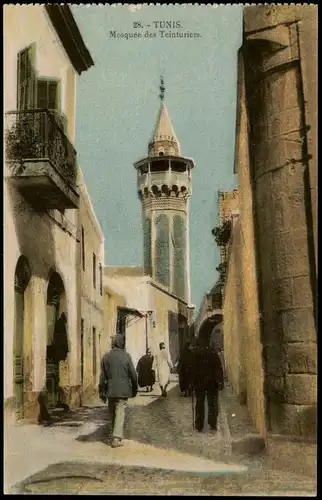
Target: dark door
<point>18,354</point>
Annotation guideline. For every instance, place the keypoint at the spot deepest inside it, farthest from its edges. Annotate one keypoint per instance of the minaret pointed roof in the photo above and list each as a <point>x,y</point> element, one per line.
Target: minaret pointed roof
<point>164,130</point>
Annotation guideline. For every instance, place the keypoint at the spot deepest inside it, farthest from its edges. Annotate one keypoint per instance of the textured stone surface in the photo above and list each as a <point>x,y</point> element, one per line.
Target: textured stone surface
<point>301,389</point>
<point>275,360</point>
<point>283,294</point>
<point>302,292</point>
<point>301,358</point>
<point>291,254</point>
<point>293,420</point>
<point>275,388</point>
<point>278,166</point>
<point>298,325</point>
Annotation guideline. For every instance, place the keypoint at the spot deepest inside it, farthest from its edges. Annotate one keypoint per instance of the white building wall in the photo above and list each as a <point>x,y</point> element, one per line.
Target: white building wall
<point>29,24</point>
<point>48,240</point>
<point>92,300</point>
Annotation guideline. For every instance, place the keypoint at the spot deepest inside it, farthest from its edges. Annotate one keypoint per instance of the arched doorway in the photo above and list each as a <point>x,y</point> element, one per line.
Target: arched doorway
<point>57,337</point>
<point>22,278</point>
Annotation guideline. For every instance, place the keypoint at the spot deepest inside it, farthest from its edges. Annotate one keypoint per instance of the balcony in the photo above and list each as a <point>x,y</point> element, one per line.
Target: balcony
<point>41,159</point>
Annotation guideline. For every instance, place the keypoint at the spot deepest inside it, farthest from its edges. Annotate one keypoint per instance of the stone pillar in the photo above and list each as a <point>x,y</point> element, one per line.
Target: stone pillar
<point>36,341</point>
<point>279,164</point>
<point>39,327</point>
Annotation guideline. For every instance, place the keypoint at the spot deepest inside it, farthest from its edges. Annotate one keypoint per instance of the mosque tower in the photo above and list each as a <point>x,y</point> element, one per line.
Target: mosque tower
<point>164,188</point>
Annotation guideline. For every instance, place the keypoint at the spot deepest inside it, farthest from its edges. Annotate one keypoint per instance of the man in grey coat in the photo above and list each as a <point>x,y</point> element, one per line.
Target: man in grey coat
<point>118,382</point>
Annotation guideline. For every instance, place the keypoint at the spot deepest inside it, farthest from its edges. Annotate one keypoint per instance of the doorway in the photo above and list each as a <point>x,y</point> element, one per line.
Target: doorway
<point>22,278</point>
<point>57,341</point>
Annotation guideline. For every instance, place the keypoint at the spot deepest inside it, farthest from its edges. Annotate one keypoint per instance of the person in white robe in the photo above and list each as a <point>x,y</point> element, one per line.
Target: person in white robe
<point>163,366</point>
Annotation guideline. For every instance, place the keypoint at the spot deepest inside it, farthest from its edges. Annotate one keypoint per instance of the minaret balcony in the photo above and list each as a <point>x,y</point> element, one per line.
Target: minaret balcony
<point>168,179</point>
<point>41,159</point>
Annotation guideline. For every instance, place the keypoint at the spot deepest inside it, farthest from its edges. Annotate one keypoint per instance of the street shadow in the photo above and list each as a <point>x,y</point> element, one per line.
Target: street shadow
<point>165,423</point>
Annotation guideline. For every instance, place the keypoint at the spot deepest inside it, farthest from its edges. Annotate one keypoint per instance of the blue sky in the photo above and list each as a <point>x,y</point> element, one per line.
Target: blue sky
<point>117,106</point>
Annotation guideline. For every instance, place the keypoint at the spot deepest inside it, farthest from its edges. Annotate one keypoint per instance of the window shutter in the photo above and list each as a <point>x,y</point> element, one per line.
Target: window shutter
<point>47,94</point>
<point>25,79</point>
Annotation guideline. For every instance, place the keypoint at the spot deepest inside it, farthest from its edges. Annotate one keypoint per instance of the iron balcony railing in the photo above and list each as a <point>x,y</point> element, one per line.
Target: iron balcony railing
<point>38,135</point>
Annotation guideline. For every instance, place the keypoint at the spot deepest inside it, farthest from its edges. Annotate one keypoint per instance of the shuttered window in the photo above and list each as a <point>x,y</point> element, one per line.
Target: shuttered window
<point>94,270</point>
<point>26,80</point>
<point>47,94</point>
<point>101,279</point>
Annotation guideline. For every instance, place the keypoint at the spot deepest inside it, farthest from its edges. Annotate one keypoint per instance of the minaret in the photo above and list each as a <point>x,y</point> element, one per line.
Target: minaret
<point>164,188</point>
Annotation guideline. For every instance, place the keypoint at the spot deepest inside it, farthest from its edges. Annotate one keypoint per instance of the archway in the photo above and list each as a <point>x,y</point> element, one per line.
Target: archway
<point>57,337</point>
<point>22,278</point>
<point>207,327</point>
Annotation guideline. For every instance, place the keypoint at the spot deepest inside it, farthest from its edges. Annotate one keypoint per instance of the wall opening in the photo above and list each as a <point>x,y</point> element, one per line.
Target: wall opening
<point>22,278</point>
<point>57,339</point>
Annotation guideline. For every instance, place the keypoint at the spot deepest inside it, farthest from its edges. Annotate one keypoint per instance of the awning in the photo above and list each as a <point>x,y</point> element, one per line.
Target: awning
<point>127,310</point>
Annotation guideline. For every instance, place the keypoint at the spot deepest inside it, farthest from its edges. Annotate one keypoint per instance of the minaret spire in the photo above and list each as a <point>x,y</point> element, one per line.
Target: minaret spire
<point>162,88</point>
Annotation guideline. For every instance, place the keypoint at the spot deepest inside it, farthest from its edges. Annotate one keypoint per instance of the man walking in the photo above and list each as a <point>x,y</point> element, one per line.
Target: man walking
<point>184,368</point>
<point>207,381</point>
<point>162,366</point>
<point>146,374</point>
<point>118,382</point>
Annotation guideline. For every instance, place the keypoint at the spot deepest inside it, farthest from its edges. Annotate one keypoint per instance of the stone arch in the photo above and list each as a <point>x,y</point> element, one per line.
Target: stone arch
<point>21,280</point>
<point>175,189</point>
<point>165,190</point>
<point>57,337</point>
<point>155,190</point>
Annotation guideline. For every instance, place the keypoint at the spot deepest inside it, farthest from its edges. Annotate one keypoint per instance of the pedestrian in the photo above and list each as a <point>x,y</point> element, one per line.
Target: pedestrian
<point>118,382</point>
<point>146,374</point>
<point>163,365</point>
<point>185,369</point>
<point>207,382</point>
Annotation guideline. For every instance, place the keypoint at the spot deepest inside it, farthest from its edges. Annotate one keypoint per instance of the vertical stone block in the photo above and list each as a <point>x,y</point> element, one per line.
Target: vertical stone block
<point>275,360</point>
<point>283,294</point>
<point>291,254</point>
<point>275,388</point>
<point>301,389</point>
<point>298,325</point>
<point>302,292</point>
<point>301,357</point>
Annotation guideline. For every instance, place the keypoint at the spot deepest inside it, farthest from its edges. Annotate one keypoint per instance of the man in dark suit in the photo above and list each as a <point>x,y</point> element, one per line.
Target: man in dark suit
<point>207,382</point>
<point>118,382</point>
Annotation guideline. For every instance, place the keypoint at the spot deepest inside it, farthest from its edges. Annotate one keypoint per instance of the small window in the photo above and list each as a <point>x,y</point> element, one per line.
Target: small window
<point>161,153</point>
<point>94,354</point>
<point>82,351</point>
<point>47,94</point>
<point>83,248</point>
<point>94,270</point>
<point>101,279</point>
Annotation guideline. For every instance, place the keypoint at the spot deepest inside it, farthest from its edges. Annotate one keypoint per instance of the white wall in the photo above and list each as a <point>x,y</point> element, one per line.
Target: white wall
<point>23,26</point>
<point>38,236</point>
<point>92,302</point>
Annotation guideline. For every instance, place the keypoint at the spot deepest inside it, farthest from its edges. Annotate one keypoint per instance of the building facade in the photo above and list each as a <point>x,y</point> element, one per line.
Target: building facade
<point>145,312</point>
<point>164,188</point>
<point>43,52</point>
<point>272,270</point>
<point>93,337</point>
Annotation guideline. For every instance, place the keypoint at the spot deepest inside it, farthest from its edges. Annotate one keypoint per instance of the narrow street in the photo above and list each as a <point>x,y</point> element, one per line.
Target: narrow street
<point>162,455</point>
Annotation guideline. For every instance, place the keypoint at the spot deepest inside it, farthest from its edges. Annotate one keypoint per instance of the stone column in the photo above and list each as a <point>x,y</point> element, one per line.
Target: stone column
<point>36,316</point>
<point>274,94</point>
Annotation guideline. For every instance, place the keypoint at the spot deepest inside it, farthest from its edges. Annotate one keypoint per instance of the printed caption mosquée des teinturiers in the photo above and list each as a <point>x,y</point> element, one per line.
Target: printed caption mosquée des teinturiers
<point>156,29</point>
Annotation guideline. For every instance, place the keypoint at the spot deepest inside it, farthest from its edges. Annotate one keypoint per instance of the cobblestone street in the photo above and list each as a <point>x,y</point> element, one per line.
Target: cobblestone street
<point>162,455</point>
